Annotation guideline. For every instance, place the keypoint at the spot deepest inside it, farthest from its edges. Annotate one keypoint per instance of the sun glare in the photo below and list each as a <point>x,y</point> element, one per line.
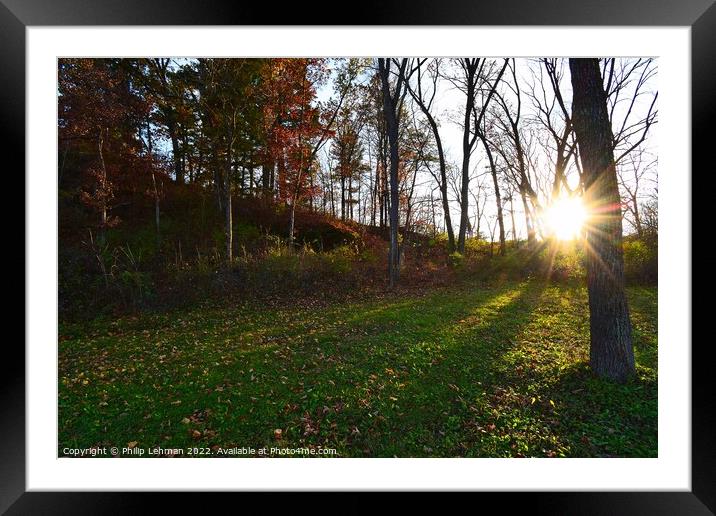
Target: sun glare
<point>565,217</point>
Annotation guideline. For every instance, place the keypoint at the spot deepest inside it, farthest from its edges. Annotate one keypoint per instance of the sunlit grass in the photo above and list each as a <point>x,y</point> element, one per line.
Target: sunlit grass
<point>475,370</point>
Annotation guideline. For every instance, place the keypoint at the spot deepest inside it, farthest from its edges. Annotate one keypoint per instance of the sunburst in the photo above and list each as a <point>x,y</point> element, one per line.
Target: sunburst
<point>565,217</point>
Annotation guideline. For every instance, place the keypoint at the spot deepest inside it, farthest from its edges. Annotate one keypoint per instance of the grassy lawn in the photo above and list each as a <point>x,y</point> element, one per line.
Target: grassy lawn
<point>474,371</point>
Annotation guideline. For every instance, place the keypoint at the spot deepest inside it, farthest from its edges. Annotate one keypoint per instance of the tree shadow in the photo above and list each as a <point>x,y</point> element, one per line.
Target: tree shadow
<point>494,371</point>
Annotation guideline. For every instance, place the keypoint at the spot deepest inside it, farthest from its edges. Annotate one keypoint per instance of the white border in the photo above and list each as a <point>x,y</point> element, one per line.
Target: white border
<point>670,471</point>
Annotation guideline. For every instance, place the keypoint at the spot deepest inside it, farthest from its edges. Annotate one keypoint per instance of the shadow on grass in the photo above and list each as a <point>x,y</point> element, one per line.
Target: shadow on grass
<point>481,371</point>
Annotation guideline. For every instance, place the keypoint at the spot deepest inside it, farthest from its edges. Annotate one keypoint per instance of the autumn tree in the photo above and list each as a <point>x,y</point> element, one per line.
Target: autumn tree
<point>611,351</point>
<point>99,119</point>
<point>227,89</point>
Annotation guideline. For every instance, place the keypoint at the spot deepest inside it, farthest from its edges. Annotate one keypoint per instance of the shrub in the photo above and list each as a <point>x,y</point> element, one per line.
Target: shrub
<point>641,261</point>
<point>439,240</point>
<point>456,260</point>
<point>340,260</point>
<point>567,264</point>
<point>477,246</point>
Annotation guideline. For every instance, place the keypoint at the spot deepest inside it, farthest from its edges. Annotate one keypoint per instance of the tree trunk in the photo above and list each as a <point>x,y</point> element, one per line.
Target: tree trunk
<point>443,177</point>
<point>611,351</point>
<point>227,205</point>
<point>529,223</point>
<point>150,148</point>
<point>228,218</point>
<point>156,210</point>
<point>512,218</point>
<point>374,195</point>
<point>291,224</point>
<point>466,150</point>
<point>343,197</point>
<point>637,217</point>
<point>389,109</point>
<point>176,153</point>
<point>498,198</point>
<point>103,188</point>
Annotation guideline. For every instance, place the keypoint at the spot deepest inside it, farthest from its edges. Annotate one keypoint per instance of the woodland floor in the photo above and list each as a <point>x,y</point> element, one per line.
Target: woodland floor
<point>471,371</point>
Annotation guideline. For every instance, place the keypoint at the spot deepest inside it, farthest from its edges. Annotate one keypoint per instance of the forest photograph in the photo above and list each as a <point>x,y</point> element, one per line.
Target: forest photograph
<point>357,257</point>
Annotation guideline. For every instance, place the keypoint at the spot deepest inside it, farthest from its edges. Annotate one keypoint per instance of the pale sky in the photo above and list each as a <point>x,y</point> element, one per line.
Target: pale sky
<point>449,106</point>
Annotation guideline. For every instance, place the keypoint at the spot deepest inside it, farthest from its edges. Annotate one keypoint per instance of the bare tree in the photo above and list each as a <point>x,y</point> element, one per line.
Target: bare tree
<point>424,97</point>
<point>552,115</point>
<point>475,76</point>
<point>632,173</point>
<point>626,83</point>
<point>517,164</point>
<point>481,131</point>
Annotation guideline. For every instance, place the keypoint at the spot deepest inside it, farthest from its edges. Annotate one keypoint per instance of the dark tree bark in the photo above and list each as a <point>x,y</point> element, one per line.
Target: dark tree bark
<point>471,76</point>
<point>391,102</point>
<point>611,351</point>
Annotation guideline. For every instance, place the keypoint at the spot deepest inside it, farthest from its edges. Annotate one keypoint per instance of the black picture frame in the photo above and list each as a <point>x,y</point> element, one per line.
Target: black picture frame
<point>700,15</point>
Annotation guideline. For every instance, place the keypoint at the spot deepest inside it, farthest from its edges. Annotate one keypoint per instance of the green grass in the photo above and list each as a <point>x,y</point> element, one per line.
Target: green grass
<point>470,371</point>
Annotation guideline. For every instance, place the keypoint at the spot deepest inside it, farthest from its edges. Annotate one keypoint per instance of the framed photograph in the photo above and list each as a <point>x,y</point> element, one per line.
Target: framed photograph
<point>429,248</point>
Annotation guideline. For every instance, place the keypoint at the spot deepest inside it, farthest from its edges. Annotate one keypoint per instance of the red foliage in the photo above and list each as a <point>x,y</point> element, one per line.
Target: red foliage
<point>292,122</point>
<point>99,113</point>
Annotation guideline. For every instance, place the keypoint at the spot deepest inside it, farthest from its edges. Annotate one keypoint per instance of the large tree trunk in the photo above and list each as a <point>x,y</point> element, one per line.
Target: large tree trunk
<point>611,351</point>
<point>389,109</point>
